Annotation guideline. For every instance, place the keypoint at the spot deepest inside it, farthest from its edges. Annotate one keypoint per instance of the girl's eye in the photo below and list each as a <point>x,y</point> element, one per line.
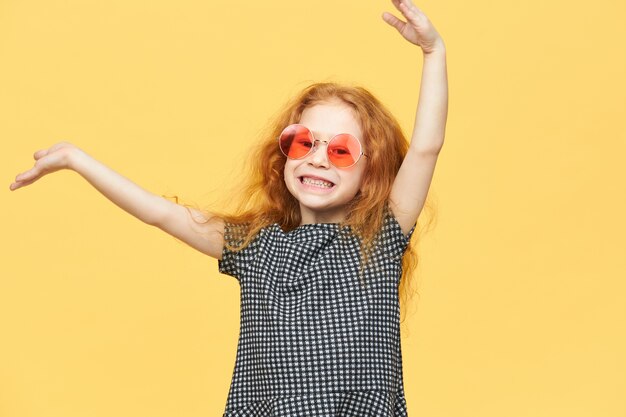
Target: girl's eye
<point>340,151</point>
<point>304,142</point>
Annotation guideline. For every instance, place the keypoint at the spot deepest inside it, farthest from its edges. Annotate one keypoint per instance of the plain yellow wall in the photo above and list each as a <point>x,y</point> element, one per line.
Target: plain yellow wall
<point>523,306</point>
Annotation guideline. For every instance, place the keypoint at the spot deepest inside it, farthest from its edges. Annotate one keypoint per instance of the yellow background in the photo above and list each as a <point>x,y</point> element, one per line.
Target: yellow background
<point>522,281</point>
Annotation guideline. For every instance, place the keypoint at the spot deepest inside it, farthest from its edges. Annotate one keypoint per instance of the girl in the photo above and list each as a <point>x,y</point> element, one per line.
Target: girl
<point>317,243</point>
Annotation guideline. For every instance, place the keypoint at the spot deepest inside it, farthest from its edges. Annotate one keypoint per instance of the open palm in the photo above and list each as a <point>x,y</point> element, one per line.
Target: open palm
<point>48,160</point>
<point>417,29</point>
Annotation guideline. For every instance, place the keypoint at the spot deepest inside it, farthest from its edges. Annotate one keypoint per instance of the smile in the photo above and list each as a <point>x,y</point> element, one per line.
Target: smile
<point>316,183</point>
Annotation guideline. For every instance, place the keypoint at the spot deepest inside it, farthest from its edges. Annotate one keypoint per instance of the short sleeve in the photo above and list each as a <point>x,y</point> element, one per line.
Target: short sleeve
<point>392,238</point>
<point>235,263</point>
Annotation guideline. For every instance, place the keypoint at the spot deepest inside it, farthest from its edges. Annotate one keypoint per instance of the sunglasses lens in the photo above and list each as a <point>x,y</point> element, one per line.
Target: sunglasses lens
<point>344,150</point>
<point>295,141</point>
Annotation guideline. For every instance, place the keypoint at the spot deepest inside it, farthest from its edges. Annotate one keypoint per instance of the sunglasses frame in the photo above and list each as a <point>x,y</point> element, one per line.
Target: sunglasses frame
<point>315,141</point>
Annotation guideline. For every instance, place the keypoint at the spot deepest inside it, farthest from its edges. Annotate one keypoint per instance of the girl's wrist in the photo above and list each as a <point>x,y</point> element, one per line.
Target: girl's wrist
<point>438,48</point>
<point>76,159</point>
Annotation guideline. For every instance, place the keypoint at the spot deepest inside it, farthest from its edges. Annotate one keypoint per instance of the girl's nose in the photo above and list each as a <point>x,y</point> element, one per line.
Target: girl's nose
<point>319,155</point>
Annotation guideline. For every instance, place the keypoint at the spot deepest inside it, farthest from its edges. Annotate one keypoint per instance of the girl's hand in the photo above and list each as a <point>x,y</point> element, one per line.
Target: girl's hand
<point>48,160</point>
<point>417,29</point>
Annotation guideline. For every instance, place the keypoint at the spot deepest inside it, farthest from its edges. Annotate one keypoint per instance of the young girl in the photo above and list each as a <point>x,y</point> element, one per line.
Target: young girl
<point>318,243</point>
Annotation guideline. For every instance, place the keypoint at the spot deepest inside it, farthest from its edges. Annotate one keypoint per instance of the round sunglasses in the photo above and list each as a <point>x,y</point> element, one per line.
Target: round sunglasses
<point>296,142</point>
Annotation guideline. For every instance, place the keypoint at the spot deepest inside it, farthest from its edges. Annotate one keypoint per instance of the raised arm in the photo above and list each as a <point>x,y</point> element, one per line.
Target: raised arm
<point>150,208</point>
<point>413,180</point>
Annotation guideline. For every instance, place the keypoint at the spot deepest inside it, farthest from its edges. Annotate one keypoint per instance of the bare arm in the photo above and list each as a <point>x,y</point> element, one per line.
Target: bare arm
<point>150,208</point>
<point>207,237</point>
<point>172,218</point>
<point>413,180</point>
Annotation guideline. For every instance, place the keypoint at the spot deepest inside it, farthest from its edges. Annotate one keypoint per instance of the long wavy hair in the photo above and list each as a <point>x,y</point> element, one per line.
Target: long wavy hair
<point>263,198</point>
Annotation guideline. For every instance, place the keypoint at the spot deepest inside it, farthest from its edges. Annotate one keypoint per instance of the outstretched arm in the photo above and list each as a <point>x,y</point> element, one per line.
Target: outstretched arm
<point>412,182</point>
<point>150,208</point>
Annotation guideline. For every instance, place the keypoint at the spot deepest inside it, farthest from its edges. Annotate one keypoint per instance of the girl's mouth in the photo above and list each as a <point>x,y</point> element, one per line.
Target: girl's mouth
<point>316,183</point>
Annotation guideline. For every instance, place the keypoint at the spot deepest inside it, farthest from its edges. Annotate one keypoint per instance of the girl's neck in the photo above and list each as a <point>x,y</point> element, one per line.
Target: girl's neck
<point>309,216</point>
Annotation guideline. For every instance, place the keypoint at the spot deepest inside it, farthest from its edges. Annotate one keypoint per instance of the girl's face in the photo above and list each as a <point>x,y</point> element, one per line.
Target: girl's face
<point>322,204</point>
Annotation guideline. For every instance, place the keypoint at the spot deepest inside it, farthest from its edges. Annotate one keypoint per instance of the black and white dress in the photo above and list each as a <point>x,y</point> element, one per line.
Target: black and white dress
<point>314,341</point>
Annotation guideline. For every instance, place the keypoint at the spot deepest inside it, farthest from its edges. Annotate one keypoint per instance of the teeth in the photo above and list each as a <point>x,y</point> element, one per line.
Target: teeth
<point>318,183</point>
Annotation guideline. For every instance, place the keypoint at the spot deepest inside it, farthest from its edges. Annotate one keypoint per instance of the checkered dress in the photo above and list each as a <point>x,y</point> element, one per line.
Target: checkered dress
<point>313,340</point>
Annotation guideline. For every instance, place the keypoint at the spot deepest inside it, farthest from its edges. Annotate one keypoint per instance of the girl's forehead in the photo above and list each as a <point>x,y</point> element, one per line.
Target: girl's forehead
<point>331,119</point>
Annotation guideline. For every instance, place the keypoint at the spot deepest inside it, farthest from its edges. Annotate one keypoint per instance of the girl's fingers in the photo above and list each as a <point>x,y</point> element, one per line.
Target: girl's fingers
<point>412,7</point>
<point>40,153</point>
<point>19,184</point>
<point>48,161</point>
<point>25,178</point>
<point>25,175</point>
<point>41,167</point>
<point>409,10</point>
<point>394,21</point>
<point>28,177</point>
<point>52,149</point>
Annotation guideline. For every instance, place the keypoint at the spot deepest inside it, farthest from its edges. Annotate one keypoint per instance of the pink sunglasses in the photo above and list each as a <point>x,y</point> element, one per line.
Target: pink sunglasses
<point>296,142</point>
